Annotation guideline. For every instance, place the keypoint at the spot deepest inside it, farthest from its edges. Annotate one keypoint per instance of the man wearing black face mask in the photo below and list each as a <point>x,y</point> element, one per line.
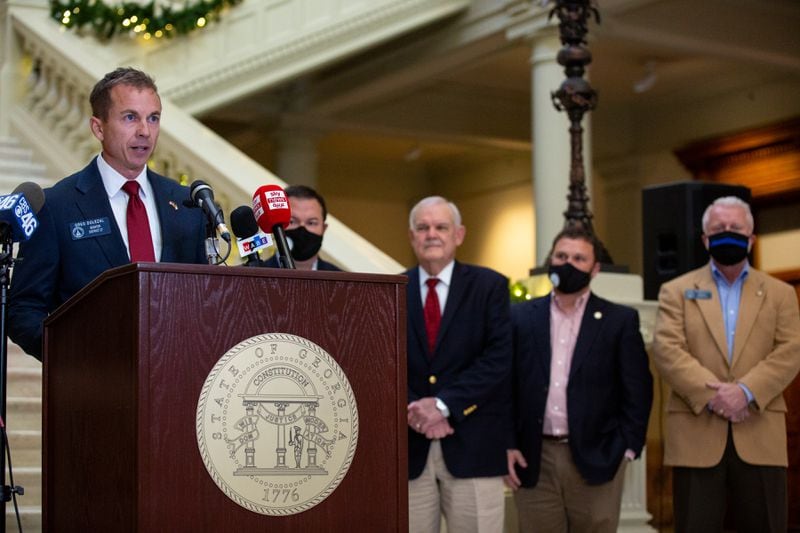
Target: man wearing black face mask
<point>582,396</point>
<point>305,231</point>
<point>727,341</point>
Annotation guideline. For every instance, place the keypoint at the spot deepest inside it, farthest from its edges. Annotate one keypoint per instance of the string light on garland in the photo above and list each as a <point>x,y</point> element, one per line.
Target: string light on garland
<point>146,18</point>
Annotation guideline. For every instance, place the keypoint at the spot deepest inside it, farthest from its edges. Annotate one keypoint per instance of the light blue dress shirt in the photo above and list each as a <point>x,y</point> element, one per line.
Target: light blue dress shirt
<point>730,294</point>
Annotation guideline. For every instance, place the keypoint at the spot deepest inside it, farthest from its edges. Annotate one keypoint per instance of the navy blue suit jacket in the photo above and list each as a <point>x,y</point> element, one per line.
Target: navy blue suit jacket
<point>609,393</point>
<point>55,264</point>
<point>469,371</point>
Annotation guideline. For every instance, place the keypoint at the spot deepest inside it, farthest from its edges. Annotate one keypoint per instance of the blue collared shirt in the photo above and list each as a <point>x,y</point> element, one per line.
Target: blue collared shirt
<point>730,294</point>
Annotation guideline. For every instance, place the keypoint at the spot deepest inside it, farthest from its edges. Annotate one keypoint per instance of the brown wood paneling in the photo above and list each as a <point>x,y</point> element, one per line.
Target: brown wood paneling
<point>792,397</point>
<point>766,160</point>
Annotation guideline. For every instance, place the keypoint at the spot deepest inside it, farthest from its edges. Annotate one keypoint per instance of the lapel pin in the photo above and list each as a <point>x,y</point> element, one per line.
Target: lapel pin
<point>598,315</point>
<point>174,205</point>
<point>759,292</point>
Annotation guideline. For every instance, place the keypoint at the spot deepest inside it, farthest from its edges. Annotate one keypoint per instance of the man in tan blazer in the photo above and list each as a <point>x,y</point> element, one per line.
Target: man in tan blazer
<point>727,341</point>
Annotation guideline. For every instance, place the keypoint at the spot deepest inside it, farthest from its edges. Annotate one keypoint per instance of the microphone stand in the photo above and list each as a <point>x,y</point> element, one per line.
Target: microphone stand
<point>212,245</point>
<point>6,264</point>
<point>285,259</point>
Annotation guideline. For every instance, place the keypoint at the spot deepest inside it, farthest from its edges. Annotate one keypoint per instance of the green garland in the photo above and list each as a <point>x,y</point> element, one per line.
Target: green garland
<point>519,292</point>
<point>152,20</point>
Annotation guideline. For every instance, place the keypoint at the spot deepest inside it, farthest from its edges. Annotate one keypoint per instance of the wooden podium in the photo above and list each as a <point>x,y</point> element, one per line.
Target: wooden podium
<point>127,357</point>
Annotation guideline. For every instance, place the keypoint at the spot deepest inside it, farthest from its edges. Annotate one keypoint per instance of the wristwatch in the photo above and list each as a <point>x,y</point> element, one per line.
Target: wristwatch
<point>440,405</point>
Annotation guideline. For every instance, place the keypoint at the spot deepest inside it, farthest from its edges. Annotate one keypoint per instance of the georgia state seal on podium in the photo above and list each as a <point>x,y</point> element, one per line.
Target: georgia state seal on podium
<point>277,424</point>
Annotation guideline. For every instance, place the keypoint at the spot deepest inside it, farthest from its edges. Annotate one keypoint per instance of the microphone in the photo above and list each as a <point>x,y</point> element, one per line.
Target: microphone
<point>202,196</point>
<point>18,212</point>
<point>272,212</point>
<point>249,237</point>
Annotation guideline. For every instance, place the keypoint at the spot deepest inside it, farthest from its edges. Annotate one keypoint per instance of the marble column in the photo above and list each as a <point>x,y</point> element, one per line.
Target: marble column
<point>296,158</point>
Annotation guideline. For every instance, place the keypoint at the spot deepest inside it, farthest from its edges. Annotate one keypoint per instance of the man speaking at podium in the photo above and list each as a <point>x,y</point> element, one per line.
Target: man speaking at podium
<point>459,362</point>
<point>114,211</point>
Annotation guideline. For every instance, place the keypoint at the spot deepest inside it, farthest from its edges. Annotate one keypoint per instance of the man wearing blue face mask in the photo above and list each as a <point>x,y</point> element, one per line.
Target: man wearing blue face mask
<point>727,341</point>
<point>305,231</point>
<point>582,396</point>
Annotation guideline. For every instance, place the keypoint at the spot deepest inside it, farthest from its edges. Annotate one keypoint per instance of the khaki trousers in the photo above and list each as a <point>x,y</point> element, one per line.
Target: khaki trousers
<point>469,505</point>
<point>563,502</point>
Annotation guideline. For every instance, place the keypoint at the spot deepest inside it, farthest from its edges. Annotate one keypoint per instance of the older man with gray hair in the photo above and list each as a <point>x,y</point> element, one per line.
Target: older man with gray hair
<point>459,361</point>
<point>727,341</point>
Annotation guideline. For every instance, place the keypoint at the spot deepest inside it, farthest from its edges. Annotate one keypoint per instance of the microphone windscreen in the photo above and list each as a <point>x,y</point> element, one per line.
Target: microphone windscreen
<point>243,222</point>
<point>271,208</point>
<point>33,193</point>
<point>196,187</point>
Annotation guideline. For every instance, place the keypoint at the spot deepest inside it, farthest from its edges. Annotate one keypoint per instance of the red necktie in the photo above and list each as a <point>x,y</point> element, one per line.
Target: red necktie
<point>140,242</point>
<point>432,312</point>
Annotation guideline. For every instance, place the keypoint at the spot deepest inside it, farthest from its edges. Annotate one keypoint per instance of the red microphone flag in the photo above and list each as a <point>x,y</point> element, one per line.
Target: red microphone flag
<point>271,208</point>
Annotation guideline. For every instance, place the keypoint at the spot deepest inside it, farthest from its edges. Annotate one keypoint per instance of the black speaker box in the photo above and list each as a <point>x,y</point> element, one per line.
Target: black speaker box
<point>672,228</point>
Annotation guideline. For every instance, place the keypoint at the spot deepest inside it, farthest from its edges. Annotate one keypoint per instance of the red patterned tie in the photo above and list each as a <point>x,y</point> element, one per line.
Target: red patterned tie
<point>140,242</point>
<point>433,313</point>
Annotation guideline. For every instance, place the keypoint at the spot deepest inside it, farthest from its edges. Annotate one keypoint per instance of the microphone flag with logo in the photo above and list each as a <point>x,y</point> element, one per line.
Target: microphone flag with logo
<point>249,237</point>
<point>273,214</point>
<point>18,212</point>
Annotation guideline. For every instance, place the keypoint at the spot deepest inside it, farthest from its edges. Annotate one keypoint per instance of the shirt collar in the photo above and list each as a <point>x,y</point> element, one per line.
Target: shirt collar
<point>113,180</point>
<point>580,302</point>
<point>719,276</point>
<point>444,276</point>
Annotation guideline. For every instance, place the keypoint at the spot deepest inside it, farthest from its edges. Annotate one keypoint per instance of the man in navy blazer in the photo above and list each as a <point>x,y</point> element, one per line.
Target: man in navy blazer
<point>582,396</point>
<point>458,380</point>
<point>82,225</point>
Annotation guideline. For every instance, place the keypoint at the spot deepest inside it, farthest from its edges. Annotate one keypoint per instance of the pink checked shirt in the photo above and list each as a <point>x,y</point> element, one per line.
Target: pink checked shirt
<point>564,328</point>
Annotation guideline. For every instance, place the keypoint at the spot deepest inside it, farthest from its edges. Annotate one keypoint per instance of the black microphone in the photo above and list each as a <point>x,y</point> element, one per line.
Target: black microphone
<point>245,227</point>
<point>18,212</point>
<point>202,196</point>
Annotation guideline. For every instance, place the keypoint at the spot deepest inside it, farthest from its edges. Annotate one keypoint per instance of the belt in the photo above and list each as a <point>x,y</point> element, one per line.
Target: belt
<point>558,439</point>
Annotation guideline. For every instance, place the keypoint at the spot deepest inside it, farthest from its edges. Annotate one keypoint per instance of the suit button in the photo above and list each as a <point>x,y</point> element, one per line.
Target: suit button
<point>432,380</point>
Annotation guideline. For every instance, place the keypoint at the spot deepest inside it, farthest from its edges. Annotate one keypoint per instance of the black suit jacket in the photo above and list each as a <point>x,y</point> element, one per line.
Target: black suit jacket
<point>272,262</point>
<point>609,393</point>
<point>58,261</point>
<point>469,371</point>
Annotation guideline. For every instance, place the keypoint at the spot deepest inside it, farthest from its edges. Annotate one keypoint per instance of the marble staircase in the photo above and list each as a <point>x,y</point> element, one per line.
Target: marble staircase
<point>24,395</point>
<point>24,426</point>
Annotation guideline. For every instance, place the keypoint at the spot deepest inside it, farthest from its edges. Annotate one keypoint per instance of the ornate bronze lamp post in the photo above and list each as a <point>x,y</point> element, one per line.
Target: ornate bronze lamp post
<point>576,96</point>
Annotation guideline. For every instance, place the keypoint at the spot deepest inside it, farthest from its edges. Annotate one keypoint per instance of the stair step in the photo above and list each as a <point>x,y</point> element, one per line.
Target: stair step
<point>25,382</point>
<point>30,516</point>
<point>24,413</point>
<point>30,478</point>
<point>19,359</point>
<point>10,165</point>
<point>16,153</point>
<point>26,448</point>
<point>12,144</point>
<point>8,141</point>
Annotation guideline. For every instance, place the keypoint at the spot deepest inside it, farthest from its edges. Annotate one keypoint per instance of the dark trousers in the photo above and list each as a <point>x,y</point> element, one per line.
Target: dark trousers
<point>755,495</point>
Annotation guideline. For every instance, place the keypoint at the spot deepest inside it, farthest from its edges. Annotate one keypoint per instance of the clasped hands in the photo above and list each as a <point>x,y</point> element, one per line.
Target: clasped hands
<point>730,401</point>
<point>425,418</point>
